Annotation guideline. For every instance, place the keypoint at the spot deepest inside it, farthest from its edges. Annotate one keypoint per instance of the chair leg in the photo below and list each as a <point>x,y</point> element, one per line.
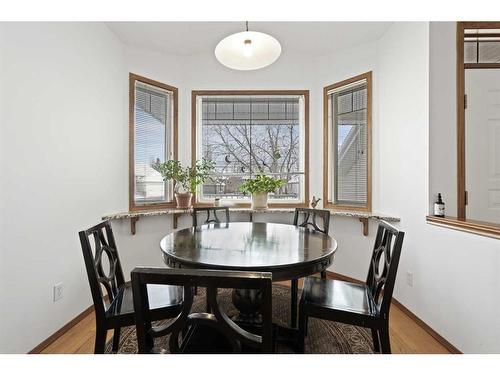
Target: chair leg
<point>209,309</point>
<point>293,309</point>
<point>303,321</point>
<point>376,342</point>
<point>323,274</point>
<point>116,340</point>
<point>150,343</point>
<point>385,340</point>
<point>100,339</point>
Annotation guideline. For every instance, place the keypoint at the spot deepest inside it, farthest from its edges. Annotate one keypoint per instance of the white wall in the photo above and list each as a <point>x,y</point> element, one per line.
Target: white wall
<point>443,115</point>
<point>62,157</point>
<point>456,279</point>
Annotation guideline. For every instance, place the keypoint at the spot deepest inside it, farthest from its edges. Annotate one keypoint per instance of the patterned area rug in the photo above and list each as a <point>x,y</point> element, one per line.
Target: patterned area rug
<point>323,337</point>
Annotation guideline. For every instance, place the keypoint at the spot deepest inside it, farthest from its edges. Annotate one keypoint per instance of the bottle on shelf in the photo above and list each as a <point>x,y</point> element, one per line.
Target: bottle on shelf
<point>439,206</point>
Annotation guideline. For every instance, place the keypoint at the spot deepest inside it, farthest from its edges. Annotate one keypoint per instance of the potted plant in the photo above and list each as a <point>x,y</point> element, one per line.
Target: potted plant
<point>185,180</point>
<point>260,187</point>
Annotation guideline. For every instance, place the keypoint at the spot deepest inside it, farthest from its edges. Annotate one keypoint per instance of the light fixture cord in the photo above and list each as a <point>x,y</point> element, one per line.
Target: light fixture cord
<point>246,22</point>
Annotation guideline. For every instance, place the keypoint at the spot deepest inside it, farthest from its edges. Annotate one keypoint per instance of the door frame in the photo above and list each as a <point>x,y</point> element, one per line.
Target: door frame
<point>461,105</point>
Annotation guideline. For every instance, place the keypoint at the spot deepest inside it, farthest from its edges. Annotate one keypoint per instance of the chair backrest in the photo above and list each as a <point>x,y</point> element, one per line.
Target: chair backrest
<point>384,265</point>
<point>112,280</point>
<point>210,211</point>
<point>309,217</point>
<point>217,319</point>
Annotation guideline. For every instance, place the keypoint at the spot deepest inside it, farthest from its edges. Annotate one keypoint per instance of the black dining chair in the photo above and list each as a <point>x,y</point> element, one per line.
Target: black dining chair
<point>201,332</point>
<point>210,215</point>
<point>308,219</point>
<point>366,305</point>
<point>112,296</point>
<point>210,218</point>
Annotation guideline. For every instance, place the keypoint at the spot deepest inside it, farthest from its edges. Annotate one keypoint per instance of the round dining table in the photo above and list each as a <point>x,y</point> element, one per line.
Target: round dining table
<point>287,251</point>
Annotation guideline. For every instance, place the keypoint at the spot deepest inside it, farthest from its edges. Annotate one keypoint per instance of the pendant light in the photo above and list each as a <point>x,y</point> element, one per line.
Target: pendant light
<point>248,50</point>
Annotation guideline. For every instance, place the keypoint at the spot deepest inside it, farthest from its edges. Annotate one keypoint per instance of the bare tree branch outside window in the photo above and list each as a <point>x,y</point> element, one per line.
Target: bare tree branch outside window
<point>252,137</point>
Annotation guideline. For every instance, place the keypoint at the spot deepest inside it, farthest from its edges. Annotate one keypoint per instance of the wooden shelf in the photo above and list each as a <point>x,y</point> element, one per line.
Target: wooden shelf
<point>466,225</point>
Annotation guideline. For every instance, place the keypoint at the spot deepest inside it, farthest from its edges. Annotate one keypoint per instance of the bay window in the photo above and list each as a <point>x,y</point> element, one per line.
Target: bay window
<point>249,133</point>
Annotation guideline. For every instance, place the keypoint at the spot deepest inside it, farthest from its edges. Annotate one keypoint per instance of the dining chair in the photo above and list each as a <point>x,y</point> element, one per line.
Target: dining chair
<point>365,304</point>
<point>201,332</point>
<point>308,219</point>
<point>211,215</point>
<point>210,218</point>
<point>112,296</point>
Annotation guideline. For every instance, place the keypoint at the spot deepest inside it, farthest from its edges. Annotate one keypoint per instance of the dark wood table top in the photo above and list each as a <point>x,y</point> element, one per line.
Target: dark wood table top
<point>286,251</point>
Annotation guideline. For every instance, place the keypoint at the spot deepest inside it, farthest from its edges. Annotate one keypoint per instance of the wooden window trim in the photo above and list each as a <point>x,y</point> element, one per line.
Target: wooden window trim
<point>132,79</point>
<point>482,66</point>
<point>305,93</point>
<point>326,162</point>
<point>461,222</point>
<point>460,122</point>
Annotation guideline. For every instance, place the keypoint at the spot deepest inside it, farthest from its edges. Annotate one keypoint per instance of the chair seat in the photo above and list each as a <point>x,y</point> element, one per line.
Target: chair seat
<point>338,295</point>
<point>160,296</point>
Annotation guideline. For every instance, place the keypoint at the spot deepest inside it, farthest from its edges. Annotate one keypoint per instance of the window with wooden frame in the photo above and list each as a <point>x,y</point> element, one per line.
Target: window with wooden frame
<point>347,144</point>
<point>247,133</point>
<point>152,137</point>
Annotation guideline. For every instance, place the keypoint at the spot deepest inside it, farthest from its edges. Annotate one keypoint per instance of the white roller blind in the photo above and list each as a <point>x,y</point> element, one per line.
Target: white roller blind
<point>152,141</point>
<point>348,119</point>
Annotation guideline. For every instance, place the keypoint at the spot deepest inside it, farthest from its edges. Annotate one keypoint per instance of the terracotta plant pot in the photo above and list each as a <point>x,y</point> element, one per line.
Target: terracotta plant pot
<point>183,200</point>
<point>259,201</point>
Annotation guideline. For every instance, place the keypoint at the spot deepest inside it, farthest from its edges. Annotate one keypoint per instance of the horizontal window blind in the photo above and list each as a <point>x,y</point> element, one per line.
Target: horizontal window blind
<point>152,141</point>
<point>348,118</point>
<point>482,46</point>
<point>249,135</point>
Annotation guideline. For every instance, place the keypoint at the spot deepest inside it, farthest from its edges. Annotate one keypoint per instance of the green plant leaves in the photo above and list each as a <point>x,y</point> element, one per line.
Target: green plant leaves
<point>261,184</point>
<point>189,178</point>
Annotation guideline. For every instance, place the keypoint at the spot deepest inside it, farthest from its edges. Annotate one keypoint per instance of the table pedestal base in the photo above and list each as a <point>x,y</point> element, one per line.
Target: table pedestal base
<point>248,302</point>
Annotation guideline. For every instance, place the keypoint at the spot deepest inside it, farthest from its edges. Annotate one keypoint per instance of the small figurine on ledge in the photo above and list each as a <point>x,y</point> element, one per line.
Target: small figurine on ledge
<point>314,201</point>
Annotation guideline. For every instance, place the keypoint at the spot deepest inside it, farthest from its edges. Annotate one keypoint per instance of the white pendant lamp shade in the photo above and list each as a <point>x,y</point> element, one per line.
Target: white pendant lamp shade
<point>248,50</point>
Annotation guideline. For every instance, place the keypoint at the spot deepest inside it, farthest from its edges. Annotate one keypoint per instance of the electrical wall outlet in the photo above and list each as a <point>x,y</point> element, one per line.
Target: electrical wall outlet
<point>409,278</point>
<point>58,291</point>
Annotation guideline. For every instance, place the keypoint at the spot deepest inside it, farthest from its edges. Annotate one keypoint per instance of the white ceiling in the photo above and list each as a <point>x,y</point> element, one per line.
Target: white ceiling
<point>185,38</point>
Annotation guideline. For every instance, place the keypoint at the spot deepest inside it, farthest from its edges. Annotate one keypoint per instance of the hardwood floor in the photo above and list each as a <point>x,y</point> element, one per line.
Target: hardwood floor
<point>407,337</point>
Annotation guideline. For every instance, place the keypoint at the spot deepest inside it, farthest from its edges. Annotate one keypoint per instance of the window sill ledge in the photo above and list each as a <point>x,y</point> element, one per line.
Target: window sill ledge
<point>466,225</point>
<point>135,215</point>
<point>168,211</point>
